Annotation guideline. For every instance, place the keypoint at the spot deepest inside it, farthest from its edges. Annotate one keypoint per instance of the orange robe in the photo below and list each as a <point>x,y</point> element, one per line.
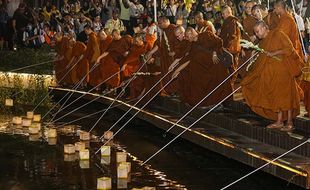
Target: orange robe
<point>103,46</point>
<point>182,50</point>
<point>204,74</point>
<point>231,35</point>
<point>270,86</point>
<point>288,26</point>
<point>60,66</point>
<point>78,50</point>
<point>111,64</point>
<point>165,44</point>
<point>248,26</point>
<point>205,26</point>
<point>132,64</point>
<point>150,38</point>
<point>272,20</point>
<point>91,55</point>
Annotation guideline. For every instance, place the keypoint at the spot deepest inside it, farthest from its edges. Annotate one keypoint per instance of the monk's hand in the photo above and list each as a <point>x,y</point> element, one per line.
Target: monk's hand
<point>152,60</point>
<point>242,53</point>
<point>171,54</point>
<point>215,58</point>
<point>271,54</point>
<point>253,38</point>
<point>126,53</point>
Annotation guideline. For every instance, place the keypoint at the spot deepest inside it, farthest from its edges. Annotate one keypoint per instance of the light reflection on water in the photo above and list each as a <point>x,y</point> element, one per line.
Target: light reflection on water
<point>31,161</point>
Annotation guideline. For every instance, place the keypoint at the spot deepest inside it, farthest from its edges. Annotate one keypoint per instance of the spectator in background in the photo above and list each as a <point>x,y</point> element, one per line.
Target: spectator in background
<point>97,26</point>
<point>135,11</point>
<point>21,19</point>
<point>182,13</point>
<point>169,10</point>
<point>4,18</point>
<point>115,24</point>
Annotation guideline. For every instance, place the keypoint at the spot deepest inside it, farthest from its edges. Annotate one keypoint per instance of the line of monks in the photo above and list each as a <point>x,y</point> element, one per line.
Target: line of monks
<point>189,62</point>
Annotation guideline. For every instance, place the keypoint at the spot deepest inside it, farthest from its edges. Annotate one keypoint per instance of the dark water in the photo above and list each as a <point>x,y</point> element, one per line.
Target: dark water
<point>36,165</point>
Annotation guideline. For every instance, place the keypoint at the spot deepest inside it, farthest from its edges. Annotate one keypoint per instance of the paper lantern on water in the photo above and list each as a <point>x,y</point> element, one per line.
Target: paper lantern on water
<point>37,118</point>
<point>26,122</point>
<point>122,183</point>
<point>9,102</point>
<point>121,157</point>
<point>52,141</point>
<point>34,137</point>
<point>69,149</point>
<point>17,120</point>
<point>69,157</point>
<point>79,146</point>
<point>84,154</point>
<point>105,151</point>
<point>105,160</point>
<point>38,125</point>
<point>108,135</point>
<point>84,136</point>
<point>144,188</point>
<point>104,183</point>
<point>34,129</point>
<point>30,114</point>
<point>51,133</point>
<point>122,171</point>
<point>84,164</point>
<point>127,164</point>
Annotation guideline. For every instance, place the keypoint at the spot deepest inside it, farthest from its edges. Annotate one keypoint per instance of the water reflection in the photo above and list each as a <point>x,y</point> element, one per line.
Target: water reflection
<point>37,160</point>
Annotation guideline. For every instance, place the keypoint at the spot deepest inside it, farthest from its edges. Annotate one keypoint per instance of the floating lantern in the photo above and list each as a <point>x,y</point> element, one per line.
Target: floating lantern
<point>34,137</point>
<point>104,183</point>
<point>122,171</point>
<point>105,151</point>
<point>52,141</point>
<point>84,164</point>
<point>84,154</point>
<point>127,164</point>
<point>69,157</point>
<point>84,136</point>
<point>30,114</point>
<point>144,188</point>
<point>105,160</point>
<point>9,102</point>
<point>108,135</point>
<point>121,157</point>
<point>35,124</point>
<point>26,122</point>
<point>79,146</point>
<point>122,183</point>
<point>51,133</point>
<point>17,120</point>
<point>69,149</point>
<point>34,129</point>
<point>37,118</point>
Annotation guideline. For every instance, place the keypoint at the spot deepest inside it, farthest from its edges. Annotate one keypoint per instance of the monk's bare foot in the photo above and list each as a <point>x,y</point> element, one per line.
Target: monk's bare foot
<point>276,125</point>
<point>288,127</point>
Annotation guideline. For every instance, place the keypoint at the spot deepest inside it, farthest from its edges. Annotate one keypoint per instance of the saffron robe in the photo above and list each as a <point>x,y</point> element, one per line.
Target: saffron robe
<point>270,86</point>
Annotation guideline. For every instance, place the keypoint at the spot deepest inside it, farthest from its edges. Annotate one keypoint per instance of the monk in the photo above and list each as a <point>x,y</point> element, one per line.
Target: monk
<point>111,63</point>
<point>78,51</point>
<point>91,55</point>
<point>164,46</point>
<point>150,33</point>
<point>68,69</point>
<point>270,88</point>
<point>287,25</point>
<point>201,24</point>
<point>133,63</point>
<point>231,34</point>
<point>181,51</point>
<point>247,34</point>
<point>64,55</point>
<point>104,42</point>
<point>305,85</point>
<point>206,73</point>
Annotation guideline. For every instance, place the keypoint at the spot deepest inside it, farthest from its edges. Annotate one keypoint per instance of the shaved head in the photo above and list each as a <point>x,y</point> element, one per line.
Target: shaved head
<point>191,34</point>
<point>226,11</point>
<point>179,32</point>
<point>248,7</point>
<point>280,7</point>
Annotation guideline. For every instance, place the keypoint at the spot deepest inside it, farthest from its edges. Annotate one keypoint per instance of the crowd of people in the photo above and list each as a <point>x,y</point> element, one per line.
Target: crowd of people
<point>191,49</point>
